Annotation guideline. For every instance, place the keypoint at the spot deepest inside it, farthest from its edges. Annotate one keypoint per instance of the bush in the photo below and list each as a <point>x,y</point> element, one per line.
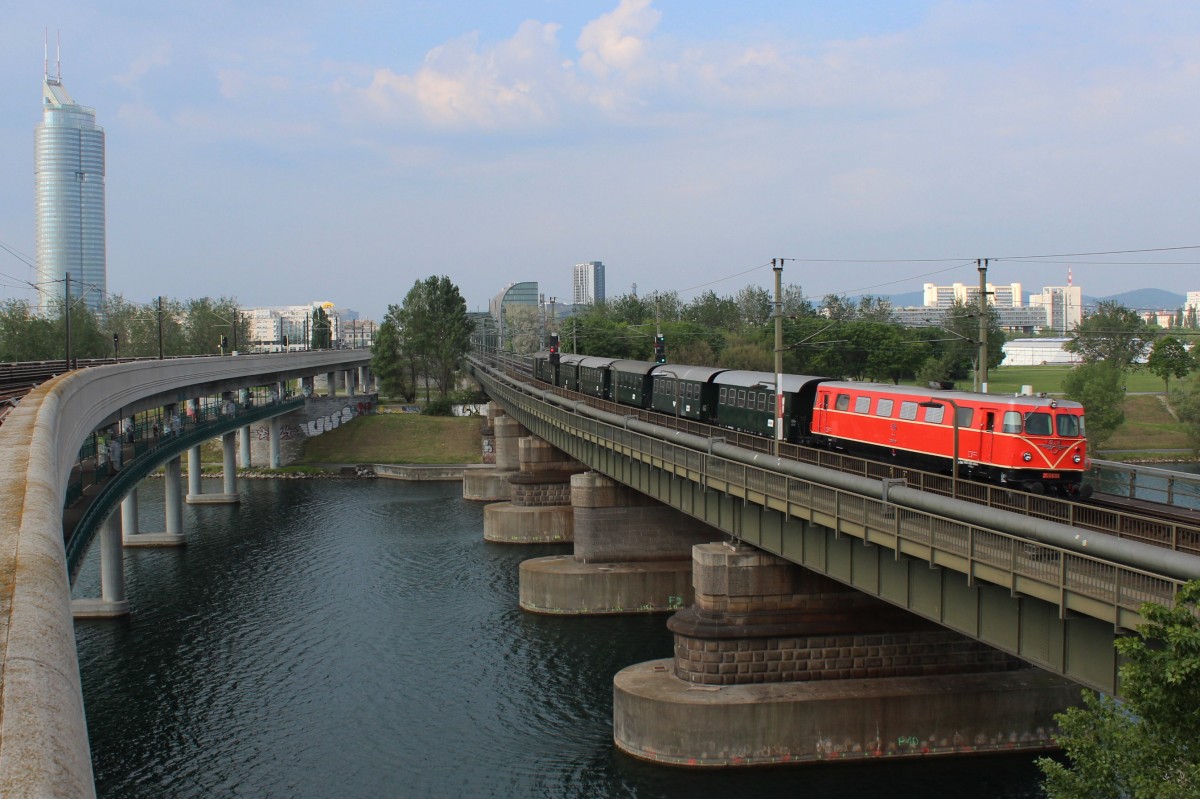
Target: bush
<point>438,407</point>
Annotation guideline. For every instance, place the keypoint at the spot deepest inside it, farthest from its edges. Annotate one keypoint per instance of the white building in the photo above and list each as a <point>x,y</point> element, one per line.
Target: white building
<point>270,326</point>
<point>1009,296</point>
<point>1037,352</point>
<point>588,283</point>
<point>1063,304</point>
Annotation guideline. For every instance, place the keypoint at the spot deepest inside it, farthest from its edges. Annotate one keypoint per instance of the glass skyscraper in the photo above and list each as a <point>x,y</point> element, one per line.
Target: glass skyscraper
<point>69,178</point>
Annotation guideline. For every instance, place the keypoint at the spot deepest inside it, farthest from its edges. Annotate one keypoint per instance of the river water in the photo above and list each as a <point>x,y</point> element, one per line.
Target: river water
<point>358,638</point>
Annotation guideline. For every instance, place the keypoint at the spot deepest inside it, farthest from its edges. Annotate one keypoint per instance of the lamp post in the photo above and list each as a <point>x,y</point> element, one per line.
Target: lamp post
<point>941,402</point>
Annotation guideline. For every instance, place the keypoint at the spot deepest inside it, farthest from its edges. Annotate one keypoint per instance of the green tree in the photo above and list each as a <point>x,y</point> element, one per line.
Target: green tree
<point>1146,746</point>
<point>712,311</point>
<point>1169,358</point>
<point>436,330</point>
<point>320,330</point>
<point>393,365</point>
<point>1185,401</point>
<point>1113,333</point>
<point>1100,387</point>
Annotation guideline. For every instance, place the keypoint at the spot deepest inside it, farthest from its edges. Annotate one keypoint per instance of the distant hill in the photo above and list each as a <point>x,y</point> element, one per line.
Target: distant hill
<point>909,299</point>
<point>1144,299</point>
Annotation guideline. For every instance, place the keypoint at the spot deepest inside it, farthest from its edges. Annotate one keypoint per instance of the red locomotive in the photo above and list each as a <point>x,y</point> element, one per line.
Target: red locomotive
<point>1035,444</point>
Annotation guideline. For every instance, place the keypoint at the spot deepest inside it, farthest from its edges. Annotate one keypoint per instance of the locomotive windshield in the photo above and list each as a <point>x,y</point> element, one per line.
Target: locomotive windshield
<point>1066,425</point>
<point>1069,425</point>
<point>1037,424</point>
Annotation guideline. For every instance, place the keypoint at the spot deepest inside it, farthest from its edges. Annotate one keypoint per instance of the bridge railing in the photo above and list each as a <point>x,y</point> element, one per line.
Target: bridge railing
<point>1106,590</point>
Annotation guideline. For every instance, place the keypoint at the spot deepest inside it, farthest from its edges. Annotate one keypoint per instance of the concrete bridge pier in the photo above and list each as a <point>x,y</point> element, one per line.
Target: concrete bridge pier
<point>489,483</point>
<point>349,377</point>
<point>173,536</point>
<point>540,509</point>
<point>775,664</point>
<point>632,554</point>
<point>275,430</point>
<point>244,447</point>
<point>112,601</point>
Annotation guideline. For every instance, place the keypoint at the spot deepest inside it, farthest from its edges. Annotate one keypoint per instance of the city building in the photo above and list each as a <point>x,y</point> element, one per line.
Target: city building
<point>588,283</point>
<point>1009,296</point>
<point>516,310</point>
<point>68,171</point>
<point>1063,304</point>
<point>270,327</point>
<point>1024,319</point>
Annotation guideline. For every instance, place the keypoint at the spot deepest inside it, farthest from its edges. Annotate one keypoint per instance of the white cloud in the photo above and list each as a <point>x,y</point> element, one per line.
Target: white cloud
<point>159,56</point>
<point>617,41</point>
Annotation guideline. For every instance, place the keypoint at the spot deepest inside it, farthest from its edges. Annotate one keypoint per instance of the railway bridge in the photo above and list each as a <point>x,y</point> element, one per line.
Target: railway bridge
<point>1026,579</point>
<point>43,736</point>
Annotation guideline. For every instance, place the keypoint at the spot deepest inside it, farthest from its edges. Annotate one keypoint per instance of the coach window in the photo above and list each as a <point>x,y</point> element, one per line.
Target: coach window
<point>862,404</point>
<point>843,402</point>
<point>741,398</point>
<point>1012,422</point>
<point>723,392</point>
<point>884,407</point>
<point>936,414</point>
<point>762,401</point>
<point>771,403</point>
<point>908,411</point>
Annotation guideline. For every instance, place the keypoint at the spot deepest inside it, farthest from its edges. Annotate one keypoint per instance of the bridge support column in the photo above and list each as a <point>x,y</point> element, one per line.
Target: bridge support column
<point>800,668</point>
<point>331,383</point>
<point>540,510</point>
<point>363,379</point>
<point>244,447</point>
<point>349,376</point>
<point>489,483</point>
<point>195,487</point>
<point>112,601</point>
<point>132,536</point>
<point>633,554</point>
<point>275,431</point>
<point>229,493</point>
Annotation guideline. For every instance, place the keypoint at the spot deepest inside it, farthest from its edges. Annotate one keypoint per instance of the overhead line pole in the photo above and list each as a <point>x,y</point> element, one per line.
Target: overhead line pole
<point>777,267</point>
<point>982,371</point>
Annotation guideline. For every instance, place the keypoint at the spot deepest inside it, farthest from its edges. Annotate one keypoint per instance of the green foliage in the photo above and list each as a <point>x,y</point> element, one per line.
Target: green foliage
<point>424,337</point>
<point>1145,747</point>
<point>442,406</point>
<point>1169,358</point>
<point>320,330</point>
<point>1100,387</point>
<point>1114,334</point>
<point>1185,401</point>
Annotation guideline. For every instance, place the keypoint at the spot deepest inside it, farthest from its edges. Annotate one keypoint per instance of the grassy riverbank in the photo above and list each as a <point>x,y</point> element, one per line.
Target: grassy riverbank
<point>398,438</point>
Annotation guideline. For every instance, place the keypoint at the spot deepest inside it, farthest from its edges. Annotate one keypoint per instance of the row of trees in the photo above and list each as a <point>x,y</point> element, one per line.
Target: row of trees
<point>180,327</point>
<point>845,338</point>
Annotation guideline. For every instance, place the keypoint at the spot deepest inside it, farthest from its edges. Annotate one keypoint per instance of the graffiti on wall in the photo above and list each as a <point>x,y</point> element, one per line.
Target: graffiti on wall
<point>319,425</point>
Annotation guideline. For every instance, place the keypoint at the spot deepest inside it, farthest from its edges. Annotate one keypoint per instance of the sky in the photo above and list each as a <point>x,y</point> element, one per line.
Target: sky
<point>286,152</point>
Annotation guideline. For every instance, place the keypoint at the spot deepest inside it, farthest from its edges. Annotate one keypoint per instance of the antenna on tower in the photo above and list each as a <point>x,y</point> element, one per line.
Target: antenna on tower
<point>46,54</point>
<point>58,55</point>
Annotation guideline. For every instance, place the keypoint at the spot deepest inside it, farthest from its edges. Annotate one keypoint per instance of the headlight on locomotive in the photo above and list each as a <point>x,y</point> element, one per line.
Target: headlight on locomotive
<point>1027,457</point>
<point>1077,459</point>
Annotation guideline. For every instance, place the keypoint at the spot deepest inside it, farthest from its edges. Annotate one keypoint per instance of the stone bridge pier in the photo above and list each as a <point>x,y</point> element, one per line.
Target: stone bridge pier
<point>632,554</point>
<point>501,435</point>
<point>776,664</point>
<point>540,509</point>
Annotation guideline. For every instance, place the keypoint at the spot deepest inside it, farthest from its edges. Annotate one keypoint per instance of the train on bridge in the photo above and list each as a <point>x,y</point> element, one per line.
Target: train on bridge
<point>1030,443</point>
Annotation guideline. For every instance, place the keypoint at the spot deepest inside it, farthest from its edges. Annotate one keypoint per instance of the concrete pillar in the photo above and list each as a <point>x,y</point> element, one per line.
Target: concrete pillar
<point>195,487</point>
<point>244,447</point>
<point>112,601</point>
<point>349,376</point>
<point>274,441</point>
<point>129,514</point>
<point>172,496</point>
<point>632,555</point>
<point>540,509</point>
<point>228,447</point>
<point>331,383</point>
<point>131,534</point>
<point>489,483</point>
<point>798,667</point>
<point>364,379</point>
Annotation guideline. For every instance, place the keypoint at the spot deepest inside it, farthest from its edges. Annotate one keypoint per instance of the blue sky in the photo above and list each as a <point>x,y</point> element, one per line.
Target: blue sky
<point>285,152</point>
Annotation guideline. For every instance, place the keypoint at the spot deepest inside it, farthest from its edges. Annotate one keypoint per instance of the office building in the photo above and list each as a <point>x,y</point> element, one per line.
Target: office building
<point>69,195</point>
<point>1063,304</point>
<point>1009,296</point>
<point>588,283</point>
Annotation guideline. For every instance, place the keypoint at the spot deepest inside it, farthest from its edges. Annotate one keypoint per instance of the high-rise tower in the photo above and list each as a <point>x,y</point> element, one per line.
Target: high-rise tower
<point>69,179</point>
<point>588,283</point>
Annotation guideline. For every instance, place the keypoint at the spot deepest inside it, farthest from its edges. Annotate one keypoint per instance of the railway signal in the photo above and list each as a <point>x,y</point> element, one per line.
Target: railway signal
<point>660,349</point>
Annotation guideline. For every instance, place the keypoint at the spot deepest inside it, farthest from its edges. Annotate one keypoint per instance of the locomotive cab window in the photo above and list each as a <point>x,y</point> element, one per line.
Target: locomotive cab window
<point>884,407</point>
<point>1037,424</point>
<point>862,404</point>
<point>1012,422</point>
<point>843,402</point>
<point>1068,425</point>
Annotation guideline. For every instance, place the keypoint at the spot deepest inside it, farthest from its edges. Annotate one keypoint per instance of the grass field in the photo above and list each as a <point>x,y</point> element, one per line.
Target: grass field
<point>1009,379</point>
<point>398,438</point>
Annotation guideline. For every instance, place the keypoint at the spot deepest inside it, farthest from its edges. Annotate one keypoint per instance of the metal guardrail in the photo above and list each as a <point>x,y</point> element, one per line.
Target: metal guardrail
<point>1091,586</point>
<point>1164,486</point>
<point>137,468</point>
